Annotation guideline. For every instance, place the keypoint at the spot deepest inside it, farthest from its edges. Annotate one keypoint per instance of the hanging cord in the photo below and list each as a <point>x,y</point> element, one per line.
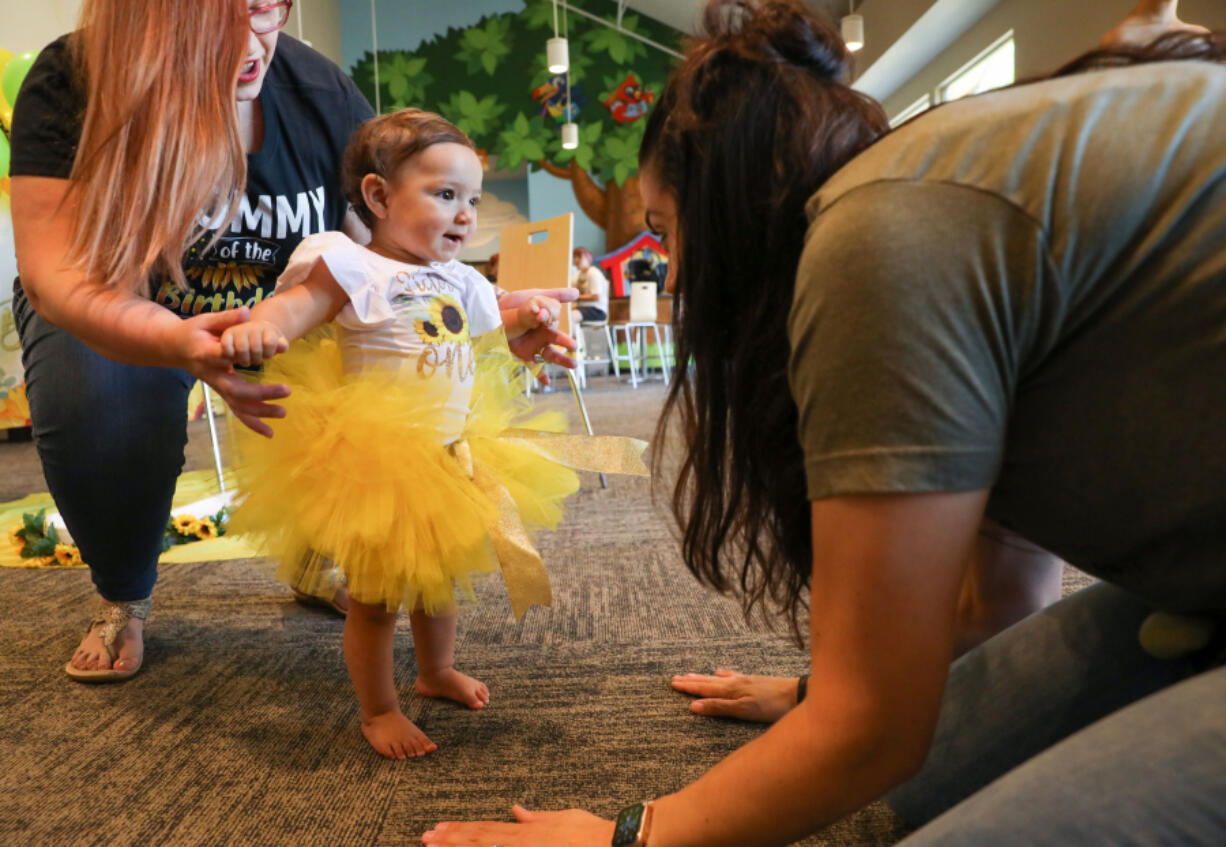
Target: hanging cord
<point>566,34</point>
<point>625,32</point>
<point>374,42</point>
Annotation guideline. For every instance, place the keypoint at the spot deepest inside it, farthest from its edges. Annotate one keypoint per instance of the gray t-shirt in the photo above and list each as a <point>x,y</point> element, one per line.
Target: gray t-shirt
<point>1026,291</point>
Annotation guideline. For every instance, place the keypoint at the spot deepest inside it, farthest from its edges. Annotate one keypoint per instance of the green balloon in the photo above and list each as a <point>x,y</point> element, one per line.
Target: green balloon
<point>14,72</point>
<point>4,155</point>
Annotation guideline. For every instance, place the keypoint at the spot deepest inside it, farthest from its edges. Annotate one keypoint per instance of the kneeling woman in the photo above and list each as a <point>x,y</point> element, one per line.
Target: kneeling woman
<point>1010,308</point>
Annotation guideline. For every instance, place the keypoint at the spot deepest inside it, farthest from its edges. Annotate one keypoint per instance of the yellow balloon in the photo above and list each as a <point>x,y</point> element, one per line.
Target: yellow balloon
<point>6,108</point>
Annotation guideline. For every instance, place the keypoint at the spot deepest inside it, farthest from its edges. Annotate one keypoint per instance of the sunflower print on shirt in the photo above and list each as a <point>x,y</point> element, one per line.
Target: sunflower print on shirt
<point>447,324</point>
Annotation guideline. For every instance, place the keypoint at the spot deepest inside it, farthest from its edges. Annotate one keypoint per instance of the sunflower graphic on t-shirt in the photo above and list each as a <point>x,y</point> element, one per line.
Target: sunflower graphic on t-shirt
<point>447,322</point>
<point>225,275</point>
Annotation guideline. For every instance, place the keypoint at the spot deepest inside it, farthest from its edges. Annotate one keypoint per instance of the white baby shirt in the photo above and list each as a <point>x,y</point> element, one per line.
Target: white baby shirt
<point>419,319</point>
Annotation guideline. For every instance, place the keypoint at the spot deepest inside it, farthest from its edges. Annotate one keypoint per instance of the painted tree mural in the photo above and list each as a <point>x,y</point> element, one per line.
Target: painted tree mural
<point>490,80</point>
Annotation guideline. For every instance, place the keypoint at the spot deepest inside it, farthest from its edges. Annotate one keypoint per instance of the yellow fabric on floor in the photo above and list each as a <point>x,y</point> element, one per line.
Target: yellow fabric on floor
<point>192,486</point>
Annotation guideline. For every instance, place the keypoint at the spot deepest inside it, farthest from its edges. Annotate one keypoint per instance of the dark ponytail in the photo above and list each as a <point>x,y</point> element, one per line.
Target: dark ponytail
<point>757,117</point>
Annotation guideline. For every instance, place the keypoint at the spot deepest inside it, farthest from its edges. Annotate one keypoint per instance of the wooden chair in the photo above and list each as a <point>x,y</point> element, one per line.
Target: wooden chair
<point>538,255</point>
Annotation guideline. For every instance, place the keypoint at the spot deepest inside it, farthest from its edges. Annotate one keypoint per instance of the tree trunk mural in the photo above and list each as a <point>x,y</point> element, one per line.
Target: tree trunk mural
<point>617,209</point>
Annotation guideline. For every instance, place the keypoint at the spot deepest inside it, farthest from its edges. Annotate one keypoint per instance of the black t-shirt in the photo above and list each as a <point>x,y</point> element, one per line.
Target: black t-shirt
<point>309,107</point>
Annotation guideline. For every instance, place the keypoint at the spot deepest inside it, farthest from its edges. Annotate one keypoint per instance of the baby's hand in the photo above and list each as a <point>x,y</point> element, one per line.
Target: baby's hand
<point>538,311</point>
<point>252,342</point>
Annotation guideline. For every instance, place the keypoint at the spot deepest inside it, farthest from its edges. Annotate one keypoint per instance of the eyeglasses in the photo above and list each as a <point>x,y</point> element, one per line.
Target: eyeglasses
<point>270,18</point>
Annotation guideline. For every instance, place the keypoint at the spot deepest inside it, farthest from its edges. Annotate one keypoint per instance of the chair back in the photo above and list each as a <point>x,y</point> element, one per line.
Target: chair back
<point>643,302</point>
<point>537,255</point>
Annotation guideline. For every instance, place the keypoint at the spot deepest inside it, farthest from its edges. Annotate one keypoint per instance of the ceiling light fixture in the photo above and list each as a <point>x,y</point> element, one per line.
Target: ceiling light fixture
<point>557,53</point>
<point>853,28</point>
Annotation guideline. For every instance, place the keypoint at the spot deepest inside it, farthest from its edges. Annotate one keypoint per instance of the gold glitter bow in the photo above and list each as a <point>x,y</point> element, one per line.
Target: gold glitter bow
<point>522,567</point>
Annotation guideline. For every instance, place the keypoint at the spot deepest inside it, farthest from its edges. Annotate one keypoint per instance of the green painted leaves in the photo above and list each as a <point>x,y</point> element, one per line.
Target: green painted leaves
<point>619,47</point>
<point>483,47</point>
<point>520,142</point>
<point>475,117</point>
<point>620,152</point>
<point>407,80</point>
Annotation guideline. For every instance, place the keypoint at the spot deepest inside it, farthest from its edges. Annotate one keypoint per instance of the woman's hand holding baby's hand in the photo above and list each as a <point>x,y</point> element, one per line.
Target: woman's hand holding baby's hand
<point>196,347</point>
<point>539,311</point>
<point>252,342</point>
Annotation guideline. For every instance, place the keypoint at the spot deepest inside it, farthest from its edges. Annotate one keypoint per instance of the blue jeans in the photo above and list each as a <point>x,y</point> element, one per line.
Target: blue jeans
<point>1063,731</point>
<point>111,438</point>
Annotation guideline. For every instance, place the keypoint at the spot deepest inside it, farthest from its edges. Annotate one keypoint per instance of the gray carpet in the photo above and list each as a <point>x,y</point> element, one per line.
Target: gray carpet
<point>242,728</point>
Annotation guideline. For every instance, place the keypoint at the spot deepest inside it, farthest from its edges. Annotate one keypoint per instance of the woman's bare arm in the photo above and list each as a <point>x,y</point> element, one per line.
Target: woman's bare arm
<point>117,324</point>
<point>887,570</point>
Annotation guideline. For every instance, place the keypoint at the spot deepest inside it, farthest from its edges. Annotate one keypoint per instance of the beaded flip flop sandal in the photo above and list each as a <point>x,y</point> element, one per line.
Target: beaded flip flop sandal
<point>110,620</point>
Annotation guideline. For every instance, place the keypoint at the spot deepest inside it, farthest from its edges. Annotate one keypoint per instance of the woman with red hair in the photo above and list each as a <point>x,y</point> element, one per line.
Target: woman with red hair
<point>160,181</point>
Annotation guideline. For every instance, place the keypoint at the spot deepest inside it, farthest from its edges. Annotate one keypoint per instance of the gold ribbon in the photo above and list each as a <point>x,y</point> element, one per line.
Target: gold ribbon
<point>599,453</point>
<point>523,569</point>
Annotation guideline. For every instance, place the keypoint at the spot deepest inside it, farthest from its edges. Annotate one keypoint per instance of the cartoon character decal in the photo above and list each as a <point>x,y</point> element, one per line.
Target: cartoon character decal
<point>552,96</point>
<point>630,101</point>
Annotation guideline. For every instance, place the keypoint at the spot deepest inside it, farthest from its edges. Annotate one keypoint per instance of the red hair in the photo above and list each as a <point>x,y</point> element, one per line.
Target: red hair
<point>160,149</point>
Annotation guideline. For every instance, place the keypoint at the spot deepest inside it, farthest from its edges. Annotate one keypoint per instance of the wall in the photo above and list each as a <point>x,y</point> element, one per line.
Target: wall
<point>31,26</point>
<point>321,25</point>
<point>1047,33</point>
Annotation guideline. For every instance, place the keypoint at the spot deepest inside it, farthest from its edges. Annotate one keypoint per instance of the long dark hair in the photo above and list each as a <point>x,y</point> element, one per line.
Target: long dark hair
<point>757,116</point>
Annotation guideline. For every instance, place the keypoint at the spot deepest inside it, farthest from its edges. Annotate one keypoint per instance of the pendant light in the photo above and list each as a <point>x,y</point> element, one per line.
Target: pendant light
<point>557,53</point>
<point>570,129</point>
<point>853,29</point>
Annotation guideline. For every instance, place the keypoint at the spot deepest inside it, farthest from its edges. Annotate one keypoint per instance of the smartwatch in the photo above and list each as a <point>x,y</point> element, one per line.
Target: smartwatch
<point>632,826</point>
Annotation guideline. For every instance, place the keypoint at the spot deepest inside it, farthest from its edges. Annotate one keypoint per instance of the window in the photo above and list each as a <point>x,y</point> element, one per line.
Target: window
<point>993,68</point>
<point>918,107</point>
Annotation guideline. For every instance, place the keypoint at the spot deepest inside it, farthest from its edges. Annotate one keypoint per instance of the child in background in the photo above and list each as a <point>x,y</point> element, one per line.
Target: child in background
<point>372,468</point>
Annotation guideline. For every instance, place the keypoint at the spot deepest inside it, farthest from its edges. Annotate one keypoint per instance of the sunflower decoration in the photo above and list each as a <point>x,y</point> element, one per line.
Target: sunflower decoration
<point>205,529</point>
<point>447,322</point>
<point>15,536</point>
<point>184,524</point>
<point>67,555</point>
<point>185,529</point>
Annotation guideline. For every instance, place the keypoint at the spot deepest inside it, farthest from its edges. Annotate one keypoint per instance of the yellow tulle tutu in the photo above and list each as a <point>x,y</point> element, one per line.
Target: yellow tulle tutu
<point>356,474</point>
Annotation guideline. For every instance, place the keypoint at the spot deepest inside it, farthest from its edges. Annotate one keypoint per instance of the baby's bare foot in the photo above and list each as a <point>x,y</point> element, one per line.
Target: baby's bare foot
<point>91,654</point>
<point>454,685</point>
<point>395,736</point>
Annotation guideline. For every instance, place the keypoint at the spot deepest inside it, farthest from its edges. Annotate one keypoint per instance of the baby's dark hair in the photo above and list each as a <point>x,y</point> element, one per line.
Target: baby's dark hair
<point>384,143</point>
